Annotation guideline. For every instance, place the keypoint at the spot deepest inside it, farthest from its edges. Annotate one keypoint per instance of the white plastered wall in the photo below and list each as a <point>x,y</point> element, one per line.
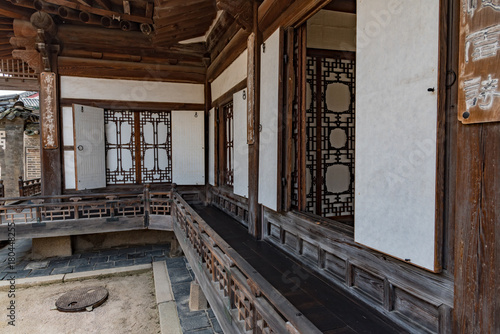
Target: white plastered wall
<point>332,31</point>
<point>240,152</point>
<point>396,126</point>
<point>230,77</point>
<point>131,90</point>
<point>188,151</point>
<point>69,155</point>
<point>121,90</point>
<point>269,91</point>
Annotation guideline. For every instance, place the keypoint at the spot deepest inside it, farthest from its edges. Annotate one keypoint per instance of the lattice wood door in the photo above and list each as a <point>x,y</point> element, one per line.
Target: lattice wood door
<point>330,121</point>
<point>138,147</point>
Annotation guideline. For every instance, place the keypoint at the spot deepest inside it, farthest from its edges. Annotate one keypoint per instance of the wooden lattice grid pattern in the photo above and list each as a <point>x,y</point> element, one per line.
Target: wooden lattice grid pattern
<point>58,212</point>
<point>16,68</point>
<point>18,215</point>
<point>243,306</point>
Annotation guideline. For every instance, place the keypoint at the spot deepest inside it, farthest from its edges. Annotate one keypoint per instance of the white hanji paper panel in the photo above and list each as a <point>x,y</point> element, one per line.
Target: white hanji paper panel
<point>396,128</point>
<point>131,90</point>
<point>240,153</point>
<point>188,148</point>
<point>89,147</point>
<point>269,100</point>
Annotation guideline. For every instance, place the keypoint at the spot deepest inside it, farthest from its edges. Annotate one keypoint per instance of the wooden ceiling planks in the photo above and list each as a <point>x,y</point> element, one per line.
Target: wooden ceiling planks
<point>170,22</point>
<point>178,20</point>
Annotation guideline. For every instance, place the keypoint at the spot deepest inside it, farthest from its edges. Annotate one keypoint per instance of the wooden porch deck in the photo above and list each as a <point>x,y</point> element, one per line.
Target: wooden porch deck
<point>327,307</point>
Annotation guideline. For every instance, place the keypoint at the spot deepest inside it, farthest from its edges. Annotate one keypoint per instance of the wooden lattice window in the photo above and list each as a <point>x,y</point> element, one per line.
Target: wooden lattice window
<point>138,147</point>
<point>227,111</point>
<point>328,165</point>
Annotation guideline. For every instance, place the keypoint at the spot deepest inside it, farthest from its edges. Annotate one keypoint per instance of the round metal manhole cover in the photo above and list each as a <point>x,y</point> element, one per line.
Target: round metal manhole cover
<point>82,299</point>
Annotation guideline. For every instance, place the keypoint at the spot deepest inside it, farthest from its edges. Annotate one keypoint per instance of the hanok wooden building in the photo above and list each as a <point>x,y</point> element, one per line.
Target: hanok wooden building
<point>358,138</point>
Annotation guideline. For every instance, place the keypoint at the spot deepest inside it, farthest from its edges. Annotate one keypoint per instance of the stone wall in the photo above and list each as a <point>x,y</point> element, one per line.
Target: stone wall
<point>13,156</point>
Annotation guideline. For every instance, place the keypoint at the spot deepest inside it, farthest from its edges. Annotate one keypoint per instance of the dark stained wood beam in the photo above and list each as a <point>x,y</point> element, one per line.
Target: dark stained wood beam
<point>253,121</point>
<point>88,3</point>
<point>19,84</point>
<point>91,38</point>
<point>11,11</point>
<point>272,15</point>
<point>200,12</point>
<point>241,10</point>
<point>293,15</point>
<point>75,227</point>
<point>130,70</point>
<point>346,6</point>
<point>101,12</point>
<point>232,50</point>
<point>106,4</point>
<point>270,10</point>
<point>218,33</point>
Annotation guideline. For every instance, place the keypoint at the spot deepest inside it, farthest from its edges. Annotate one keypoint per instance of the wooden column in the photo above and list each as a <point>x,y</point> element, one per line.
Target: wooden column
<point>50,150</point>
<point>253,136</point>
<point>477,204</point>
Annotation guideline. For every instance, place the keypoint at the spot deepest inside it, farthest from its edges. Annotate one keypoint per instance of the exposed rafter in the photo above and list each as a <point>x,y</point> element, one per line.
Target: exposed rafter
<point>241,10</point>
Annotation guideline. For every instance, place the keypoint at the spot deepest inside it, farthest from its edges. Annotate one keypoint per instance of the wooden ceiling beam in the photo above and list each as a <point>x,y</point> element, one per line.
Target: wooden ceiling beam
<point>232,50</point>
<point>87,3</point>
<point>195,14</point>
<point>150,58</point>
<point>241,10</point>
<point>181,26</point>
<point>223,31</point>
<point>106,4</point>
<point>161,12</point>
<point>9,10</point>
<point>130,70</point>
<point>101,12</point>
<point>177,5</point>
<point>346,6</point>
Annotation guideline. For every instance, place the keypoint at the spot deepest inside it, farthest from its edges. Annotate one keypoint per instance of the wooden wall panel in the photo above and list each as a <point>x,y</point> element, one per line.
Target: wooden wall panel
<point>416,299</point>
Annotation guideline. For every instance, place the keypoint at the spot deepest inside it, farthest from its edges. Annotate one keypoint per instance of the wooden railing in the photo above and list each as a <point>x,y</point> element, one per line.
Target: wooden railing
<point>66,207</point>
<point>16,68</point>
<point>241,293</point>
<point>31,187</point>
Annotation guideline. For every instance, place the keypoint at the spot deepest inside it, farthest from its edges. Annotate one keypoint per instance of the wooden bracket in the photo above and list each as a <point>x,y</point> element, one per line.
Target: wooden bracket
<point>241,10</point>
<point>30,57</point>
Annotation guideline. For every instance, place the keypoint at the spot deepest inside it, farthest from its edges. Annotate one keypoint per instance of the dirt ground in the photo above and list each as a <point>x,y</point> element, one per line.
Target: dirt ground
<point>130,308</point>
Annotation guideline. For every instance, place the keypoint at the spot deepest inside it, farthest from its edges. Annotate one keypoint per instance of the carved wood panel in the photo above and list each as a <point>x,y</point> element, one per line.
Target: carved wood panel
<point>479,94</point>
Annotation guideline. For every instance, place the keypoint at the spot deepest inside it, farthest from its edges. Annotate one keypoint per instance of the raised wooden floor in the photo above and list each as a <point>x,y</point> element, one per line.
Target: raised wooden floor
<point>326,306</point>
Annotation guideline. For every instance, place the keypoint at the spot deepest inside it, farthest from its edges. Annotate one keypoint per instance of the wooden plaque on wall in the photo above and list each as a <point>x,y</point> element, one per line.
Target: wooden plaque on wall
<point>48,110</point>
<point>479,67</point>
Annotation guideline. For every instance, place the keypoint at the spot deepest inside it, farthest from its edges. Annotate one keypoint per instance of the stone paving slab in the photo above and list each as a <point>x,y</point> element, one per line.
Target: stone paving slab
<point>111,262</point>
<point>82,262</point>
<point>200,322</point>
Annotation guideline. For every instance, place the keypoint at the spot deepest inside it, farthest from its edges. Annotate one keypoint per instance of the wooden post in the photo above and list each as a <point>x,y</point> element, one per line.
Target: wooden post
<point>477,230</point>
<point>21,187</point>
<point>253,136</point>
<point>50,133</point>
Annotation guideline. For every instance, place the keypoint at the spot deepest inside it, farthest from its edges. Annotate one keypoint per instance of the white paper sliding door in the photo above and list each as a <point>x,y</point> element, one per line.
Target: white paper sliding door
<point>396,128</point>
<point>90,156</point>
<point>240,152</point>
<point>211,147</point>
<point>188,151</point>
<point>269,101</point>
